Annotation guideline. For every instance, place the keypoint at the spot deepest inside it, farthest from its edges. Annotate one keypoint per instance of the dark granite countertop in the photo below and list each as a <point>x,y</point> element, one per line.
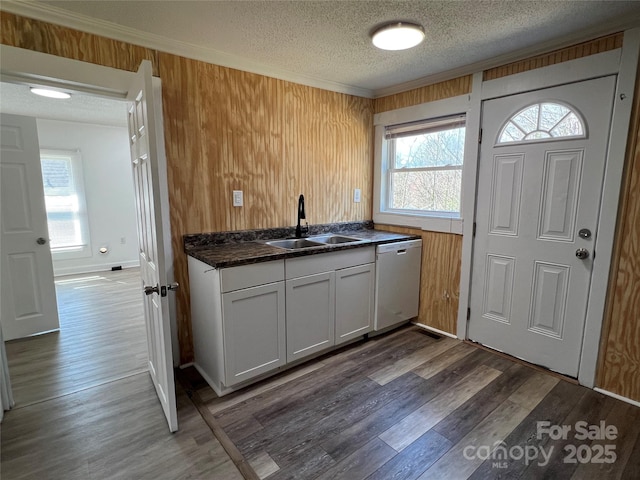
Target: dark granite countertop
<point>230,249</point>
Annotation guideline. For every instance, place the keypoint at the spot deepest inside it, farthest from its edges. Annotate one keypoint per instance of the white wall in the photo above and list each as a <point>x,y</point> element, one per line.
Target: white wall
<point>109,193</point>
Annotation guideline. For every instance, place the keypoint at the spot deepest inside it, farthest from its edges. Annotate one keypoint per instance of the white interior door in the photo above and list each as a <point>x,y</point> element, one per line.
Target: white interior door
<point>28,299</point>
<point>541,169</point>
<point>144,156</point>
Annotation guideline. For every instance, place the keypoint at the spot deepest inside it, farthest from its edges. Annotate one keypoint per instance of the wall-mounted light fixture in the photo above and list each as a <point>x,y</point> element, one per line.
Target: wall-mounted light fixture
<point>45,92</point>
<point>398,36</point>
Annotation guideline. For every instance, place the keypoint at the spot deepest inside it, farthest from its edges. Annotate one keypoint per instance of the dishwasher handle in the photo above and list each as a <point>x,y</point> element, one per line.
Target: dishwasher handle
<point>397,247</point>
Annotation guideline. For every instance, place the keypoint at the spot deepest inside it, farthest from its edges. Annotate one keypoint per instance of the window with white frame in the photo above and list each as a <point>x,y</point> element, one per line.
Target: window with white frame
<point>424,166</point>
<point>420,163</point>
<point>64,200</point>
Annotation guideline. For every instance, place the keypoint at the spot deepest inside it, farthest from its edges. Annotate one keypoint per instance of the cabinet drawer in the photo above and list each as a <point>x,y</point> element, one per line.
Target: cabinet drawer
<point>328,262</point>
<point>246,276</point>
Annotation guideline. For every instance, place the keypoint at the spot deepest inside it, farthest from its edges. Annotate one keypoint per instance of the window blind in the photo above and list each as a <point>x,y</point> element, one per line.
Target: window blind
<point>424,126</point>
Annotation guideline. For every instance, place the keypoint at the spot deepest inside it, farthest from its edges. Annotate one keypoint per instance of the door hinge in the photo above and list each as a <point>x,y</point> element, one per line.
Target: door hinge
<point>474,229</point>
<point>468,314</point>
<point>480,137</point>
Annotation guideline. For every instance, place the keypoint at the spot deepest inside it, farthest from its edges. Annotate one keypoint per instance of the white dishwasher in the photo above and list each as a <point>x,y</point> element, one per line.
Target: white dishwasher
<point>397,283</point>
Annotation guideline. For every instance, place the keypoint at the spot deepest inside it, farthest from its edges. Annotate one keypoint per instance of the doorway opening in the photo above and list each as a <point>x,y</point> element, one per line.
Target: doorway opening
<point>102,334</point>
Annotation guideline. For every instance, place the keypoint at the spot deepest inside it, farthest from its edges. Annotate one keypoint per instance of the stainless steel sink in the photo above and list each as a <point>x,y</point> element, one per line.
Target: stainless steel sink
<point>316,241</point>
<point>335,239</point>
<point>294,243</point>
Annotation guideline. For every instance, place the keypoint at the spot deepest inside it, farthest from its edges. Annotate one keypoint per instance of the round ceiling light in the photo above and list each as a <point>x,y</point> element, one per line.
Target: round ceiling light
<point>44,92</point>
<point>398,36</point>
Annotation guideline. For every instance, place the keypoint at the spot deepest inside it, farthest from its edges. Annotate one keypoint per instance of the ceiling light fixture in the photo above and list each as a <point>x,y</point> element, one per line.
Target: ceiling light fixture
<point>44,92</point>
<point>398,36</point>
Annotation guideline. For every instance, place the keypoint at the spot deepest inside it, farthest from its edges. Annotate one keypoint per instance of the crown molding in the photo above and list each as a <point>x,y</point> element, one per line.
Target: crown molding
<point>515,56</point>
<point>111,30</point>
<point>47,13</point>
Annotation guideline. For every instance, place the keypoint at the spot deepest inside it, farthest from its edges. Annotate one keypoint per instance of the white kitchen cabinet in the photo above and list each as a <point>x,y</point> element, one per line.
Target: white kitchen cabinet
<point>250,320</point>
<point>254,331</point>
<point>310,314</point>
<point>354,302</point>
<point>238,321</point>
<point>329,299</point>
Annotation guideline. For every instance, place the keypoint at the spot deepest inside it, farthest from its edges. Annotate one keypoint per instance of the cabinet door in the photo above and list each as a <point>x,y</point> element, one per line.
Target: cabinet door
<point>310,314</point>
<point>354,301</point>
<point>254,331</point>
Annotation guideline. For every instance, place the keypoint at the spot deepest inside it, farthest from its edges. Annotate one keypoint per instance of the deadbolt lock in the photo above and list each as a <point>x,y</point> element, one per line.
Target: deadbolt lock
<point>584,233</point>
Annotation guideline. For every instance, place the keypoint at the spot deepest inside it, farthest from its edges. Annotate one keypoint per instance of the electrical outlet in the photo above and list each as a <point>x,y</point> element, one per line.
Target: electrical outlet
<point>123,240</point>
<point>356,195</point>
<point>237,198</point>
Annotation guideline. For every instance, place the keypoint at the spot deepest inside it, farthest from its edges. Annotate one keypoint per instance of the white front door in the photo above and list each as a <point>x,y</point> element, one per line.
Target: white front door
<point>540,177</point>
<point>29,303</point>
<point>144,155</point>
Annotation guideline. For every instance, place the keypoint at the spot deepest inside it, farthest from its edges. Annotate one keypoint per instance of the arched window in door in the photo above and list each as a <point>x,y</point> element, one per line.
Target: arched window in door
<point>543,122</point>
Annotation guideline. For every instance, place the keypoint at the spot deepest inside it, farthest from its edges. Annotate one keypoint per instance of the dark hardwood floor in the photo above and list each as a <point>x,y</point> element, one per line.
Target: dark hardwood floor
<point>411,406</point>
<point>406,405</point>
<point>102,338</point>
<point>85,405</point>
<point>116,431</point>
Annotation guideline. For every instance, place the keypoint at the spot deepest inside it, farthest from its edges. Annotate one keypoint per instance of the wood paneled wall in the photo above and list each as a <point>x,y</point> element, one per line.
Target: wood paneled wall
<point>619,362</point>
<point>429,93</point>
<point>230,130</point>
<point>598,45</point>
<point>225,130</point>
<point>44,37</point>
<point>440,279</point>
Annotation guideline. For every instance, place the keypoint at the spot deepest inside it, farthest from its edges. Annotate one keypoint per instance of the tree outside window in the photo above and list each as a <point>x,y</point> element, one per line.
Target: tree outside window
<point>425,166</point>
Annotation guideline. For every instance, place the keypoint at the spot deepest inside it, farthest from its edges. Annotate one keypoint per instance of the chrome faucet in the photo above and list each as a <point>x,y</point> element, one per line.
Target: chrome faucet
<point>301,230</point>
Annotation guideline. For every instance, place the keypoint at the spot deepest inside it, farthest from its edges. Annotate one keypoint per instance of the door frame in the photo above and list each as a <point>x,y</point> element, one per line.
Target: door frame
<point>622,62</point>
<point>27,66</point>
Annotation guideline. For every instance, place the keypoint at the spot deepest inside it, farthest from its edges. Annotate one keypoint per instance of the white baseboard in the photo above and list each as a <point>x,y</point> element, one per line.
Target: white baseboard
<point>435,330</point>
<point>617,397</point>
<point>80,269</point>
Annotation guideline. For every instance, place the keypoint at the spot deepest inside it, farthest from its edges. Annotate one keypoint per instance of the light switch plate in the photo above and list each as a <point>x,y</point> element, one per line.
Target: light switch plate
<point>237,198</point>
<point>356,195</point>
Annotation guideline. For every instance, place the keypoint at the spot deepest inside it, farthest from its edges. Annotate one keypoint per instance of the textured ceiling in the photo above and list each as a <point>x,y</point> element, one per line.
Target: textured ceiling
<point>329,41</point>
<point>18,100</point>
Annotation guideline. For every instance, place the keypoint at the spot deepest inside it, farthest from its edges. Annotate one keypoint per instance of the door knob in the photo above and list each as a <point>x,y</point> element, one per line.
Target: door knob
<point>151,290</point>
<point>41,241</point>
<point>582,253</point>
